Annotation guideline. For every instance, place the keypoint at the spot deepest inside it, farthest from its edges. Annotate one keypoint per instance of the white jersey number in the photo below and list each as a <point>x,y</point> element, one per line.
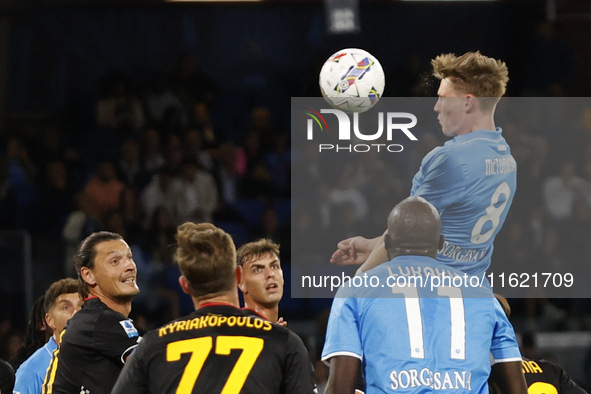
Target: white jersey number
<point>493,215</point>
<point>415,320</point>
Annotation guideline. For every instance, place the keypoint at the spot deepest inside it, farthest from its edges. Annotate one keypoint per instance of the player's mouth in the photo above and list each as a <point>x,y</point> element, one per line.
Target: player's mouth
<point>272,287</point>
<point>130,280</point>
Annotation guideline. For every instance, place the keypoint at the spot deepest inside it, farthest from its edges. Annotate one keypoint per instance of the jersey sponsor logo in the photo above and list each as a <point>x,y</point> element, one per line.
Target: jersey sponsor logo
<point>129,328</point>
<point>436,380</point>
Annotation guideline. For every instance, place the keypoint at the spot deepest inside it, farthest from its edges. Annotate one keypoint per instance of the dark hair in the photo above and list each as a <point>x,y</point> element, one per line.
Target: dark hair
<point>86,253</point>
<point>62,286</point>
<point>36,334</point>
<point>254,250</point>
<point>206,256</point>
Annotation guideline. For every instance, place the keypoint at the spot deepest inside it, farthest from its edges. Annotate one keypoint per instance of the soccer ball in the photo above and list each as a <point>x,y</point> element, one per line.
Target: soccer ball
<point>352,80</point>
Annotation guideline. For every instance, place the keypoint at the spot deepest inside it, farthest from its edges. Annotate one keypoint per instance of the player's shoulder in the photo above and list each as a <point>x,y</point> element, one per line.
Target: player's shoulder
<point>544,365</point>
<point>448,154</point>
<point>82,322</point>
<point>106,318</point>
<point>30,365</point>
<point>94,317</point>
<point>34,366</point>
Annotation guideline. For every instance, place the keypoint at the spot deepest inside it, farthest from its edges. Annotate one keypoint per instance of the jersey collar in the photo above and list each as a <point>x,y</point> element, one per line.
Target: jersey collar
<point>207,304</point>
<point>412,258</point>
<point>490,134</point>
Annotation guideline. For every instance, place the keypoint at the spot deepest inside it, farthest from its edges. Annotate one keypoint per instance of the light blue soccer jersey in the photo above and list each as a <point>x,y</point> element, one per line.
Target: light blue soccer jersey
<point>471,181</point>
<point>418,339</point>
<point>30,375</point>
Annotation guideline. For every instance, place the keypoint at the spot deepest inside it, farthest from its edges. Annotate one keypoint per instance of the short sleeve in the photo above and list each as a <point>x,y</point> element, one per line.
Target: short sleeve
<point>115,336</point>
<point>342,333</point>
<point>504,347</point>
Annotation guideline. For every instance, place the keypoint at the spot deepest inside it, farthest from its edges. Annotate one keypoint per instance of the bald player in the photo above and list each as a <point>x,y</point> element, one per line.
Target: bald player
<point>413,337</point>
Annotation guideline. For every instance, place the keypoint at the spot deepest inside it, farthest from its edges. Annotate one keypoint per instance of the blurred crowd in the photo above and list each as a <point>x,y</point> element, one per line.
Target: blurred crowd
<point>152,160</point>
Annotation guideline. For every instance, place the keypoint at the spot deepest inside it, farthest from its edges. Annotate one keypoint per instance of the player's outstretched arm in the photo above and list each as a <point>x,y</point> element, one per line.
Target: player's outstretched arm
<point>343,374</point>
<point>508,378</point>
<point>377,256</point>
<point>354,250</point>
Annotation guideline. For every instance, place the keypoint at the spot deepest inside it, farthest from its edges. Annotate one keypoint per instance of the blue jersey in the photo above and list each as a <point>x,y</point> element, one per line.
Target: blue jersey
<point>471,181</point>
<point>420,339</point>
<point>31,373</point>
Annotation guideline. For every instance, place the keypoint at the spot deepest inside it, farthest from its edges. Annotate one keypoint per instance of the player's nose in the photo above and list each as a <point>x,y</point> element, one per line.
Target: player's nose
<point>436,107</point>
<point>130,265</point>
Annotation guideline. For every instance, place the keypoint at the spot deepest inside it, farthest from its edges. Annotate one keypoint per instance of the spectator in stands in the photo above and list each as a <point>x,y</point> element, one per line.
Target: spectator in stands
<point>161,99</point>
<point>195,191</point>
<point>152,159</point>
<point>561,191</point>
<point>18,175</point>
<point>118,109</point>
<point>129,165</point>
<point>54,200</point>
<point>104,189</point>
<point>159,193</point>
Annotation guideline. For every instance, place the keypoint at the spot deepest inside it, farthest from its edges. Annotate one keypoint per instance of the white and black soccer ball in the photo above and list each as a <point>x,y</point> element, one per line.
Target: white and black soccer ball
<point>352,80</point>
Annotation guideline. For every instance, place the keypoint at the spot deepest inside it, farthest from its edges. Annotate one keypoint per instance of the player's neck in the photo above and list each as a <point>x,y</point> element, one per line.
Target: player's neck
<point>269,313</point>
<point>122,306</point>
<point>223,298</point>
<point>412,252</point>
<point>477,120</point>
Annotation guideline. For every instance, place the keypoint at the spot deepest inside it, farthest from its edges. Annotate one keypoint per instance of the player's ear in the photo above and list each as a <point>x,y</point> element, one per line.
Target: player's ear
<point>184,284</point>
<point>441,239</point>
<point>387,241</point>
<point>238,275</point>
<point>88,276</point>
<point>241,285</point>
<point>471,102</point>
<point>49,321</point>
